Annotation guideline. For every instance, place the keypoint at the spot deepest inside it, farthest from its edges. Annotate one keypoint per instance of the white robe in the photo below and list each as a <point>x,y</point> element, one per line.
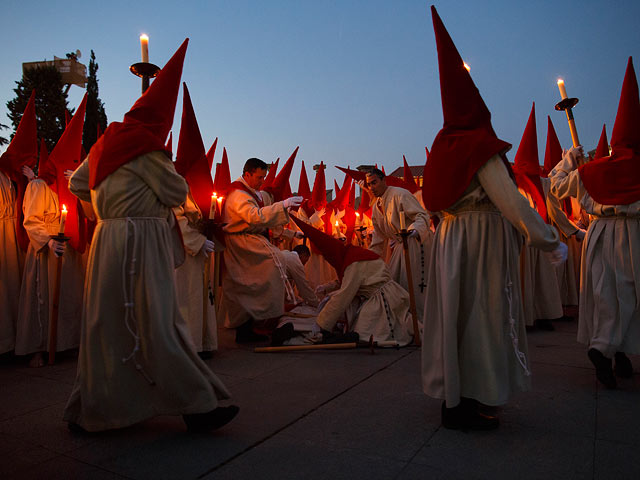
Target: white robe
<point>474,343</point>
<point>609,319</point>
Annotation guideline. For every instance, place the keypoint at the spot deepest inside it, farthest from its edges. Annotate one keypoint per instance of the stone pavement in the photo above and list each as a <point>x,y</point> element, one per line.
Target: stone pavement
<point>334,415</point>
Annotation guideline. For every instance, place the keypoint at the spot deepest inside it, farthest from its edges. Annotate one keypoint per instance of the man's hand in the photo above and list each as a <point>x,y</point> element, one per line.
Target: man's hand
<point>208,247</point>
<point>580,234</point>
<point>414,234</point>
<point>292,202</point>
<point>558,256</point>
<point>68,173</point>
<point>27,172</point>
<point>298,235</point>
<point>57,247</point>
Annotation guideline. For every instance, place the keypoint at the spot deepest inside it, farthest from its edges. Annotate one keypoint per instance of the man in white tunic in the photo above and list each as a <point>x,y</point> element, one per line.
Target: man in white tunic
<point>609,190</point>
<point>474,348</point>
<point>254,279</point>
<point>390,206</point>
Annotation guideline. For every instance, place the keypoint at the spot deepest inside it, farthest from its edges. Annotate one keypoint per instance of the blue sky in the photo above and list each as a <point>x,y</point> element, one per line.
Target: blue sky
<point>350,81</point>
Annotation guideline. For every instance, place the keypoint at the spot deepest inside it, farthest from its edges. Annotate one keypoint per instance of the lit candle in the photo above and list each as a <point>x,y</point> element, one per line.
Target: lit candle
<point>144,47</point>
<point>63,218</point>
<point>403,225</point>
<point>220,205</point>
<point>563,91</point>
<point>212,208</point>
<point>357,219</point>
<point>466,65</point>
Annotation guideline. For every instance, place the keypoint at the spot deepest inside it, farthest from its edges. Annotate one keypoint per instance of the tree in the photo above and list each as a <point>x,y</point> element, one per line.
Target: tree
<point>51,102</point>
<point>3,141</point>
<point>95,116</point>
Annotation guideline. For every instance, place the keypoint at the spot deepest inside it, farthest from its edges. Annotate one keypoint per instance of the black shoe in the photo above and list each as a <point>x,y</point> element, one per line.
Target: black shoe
<point>544,324</point>
<point>623,367</point>
<point>206,422</point>
<point>205,354</point>
<point>465,416</point>
<point>604,372</point>
<point>281,334</point>
<point>245,334</point>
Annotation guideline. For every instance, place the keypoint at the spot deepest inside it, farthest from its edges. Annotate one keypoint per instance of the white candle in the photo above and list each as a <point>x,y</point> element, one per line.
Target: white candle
<point>63,218</point>
<point>212,208</point>
<point>357,219</point>
<point>563,91</point>
<point>403,225</point>
<point>220,206</point>
<point>144,47</point>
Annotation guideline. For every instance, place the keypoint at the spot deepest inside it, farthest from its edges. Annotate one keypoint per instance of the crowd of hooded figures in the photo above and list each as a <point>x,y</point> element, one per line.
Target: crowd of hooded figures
<point>125,255</point>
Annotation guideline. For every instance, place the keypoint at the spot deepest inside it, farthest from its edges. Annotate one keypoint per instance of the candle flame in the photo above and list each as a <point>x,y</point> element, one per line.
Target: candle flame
<point>357,214</point>
<point>64,208</point>
<point>466,65</point>
<point>144,36</point>
<point>560,81</point>
<point>214,194</point>
<point>220,199</point>
<point>337,223</point>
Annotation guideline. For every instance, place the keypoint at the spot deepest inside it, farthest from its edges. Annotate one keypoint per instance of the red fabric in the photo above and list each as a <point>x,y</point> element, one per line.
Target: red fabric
<point>271,174</point>
<point>191,160</point>
<point>319,193</point>
<point>334,251</point>
<point>280,188</point>
<point>409,181</point>
<point>365,203</point>
<point>303,184</point>
<point>467,140</point>
<point>222,181</point>
<point>357,175</point>
<point>211,153</point>
<point>241,186</point>
<point>169,145</point>
<point>145,126</point>
<point>342,198</point>
<point>602,150</point>
<point>67,155</point>
<point>527,165</point>
<point>615,179</point>
<point>553,150</point>
<point>23,150</point>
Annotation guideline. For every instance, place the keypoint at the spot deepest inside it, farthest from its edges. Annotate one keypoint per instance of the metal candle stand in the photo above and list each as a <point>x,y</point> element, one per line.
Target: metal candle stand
<point>567,105</point>
<point>145,71</point>
<point>53,320</point>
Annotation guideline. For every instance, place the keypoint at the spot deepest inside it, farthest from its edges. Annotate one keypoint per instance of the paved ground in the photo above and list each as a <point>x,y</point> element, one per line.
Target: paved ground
<point>341,414</point>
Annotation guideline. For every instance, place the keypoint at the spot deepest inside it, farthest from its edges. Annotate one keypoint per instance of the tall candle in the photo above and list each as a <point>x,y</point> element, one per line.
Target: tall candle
<point>212,208</point>
<point>220,205</point>
<point>63,218</point>
<point>563,91</point>
<point>357,219</point>
<point>144,47</point>
<point>403,225</point>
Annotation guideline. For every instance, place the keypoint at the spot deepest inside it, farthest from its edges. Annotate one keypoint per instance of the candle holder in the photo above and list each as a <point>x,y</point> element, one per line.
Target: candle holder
<point>60,237</point>
<point>567,105</point>
<point>145,71</point>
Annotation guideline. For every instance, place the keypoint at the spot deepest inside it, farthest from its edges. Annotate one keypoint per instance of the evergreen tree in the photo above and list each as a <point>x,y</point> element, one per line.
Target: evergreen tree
<point>95,116</point>
<point>3,141</point>
<point>51,102</point>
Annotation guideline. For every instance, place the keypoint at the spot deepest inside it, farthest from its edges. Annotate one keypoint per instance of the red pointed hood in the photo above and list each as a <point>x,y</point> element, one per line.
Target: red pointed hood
<point>467,140</point>
<point>191,160</point>
<point>553,150</point>
<point>334,251</point>
<point>23,150</point>
<point>280,188</point>
<point>527,165</point>
<point>623,164</point>
<point>303,184</point>
<point>222,182</point>
<point>271,175</point>
<point>319,194</point>
<point>212,153</point>
<point>169,145</point>
<point>409,181</point>
<point>144,128</point>
<point>67,155</point>
<point>342,197</point>
<point>602,150</point>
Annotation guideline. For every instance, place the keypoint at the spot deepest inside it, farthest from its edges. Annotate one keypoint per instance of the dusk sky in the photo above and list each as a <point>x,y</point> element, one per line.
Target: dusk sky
<point>350,81</point>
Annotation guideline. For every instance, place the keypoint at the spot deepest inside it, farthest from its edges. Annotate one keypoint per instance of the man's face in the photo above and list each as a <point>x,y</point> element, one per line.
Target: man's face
<point>376,184</point>
<point>255,179</point>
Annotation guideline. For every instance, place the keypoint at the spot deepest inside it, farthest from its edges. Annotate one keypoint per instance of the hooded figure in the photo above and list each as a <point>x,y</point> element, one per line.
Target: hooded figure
<point>367,297</point>
<point>540,292</point>
<point>608,189</point>
<point>22,151</point>
<point>137,359</point>
<point>193,278</point>
<point>44,199</point>
<point>474,347</point>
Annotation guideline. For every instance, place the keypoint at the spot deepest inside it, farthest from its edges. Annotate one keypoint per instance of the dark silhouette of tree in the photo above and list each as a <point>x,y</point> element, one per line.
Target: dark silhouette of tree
<point>51,102</point>
<point>95,117</point>
<point>3,141</point>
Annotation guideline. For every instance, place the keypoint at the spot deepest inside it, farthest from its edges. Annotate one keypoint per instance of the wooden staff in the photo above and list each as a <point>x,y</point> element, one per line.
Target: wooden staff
<point>412,297</point>
<point>326,346</point>
<point>55,307</point>
<point>217,259</point>
<point>205,296</point>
